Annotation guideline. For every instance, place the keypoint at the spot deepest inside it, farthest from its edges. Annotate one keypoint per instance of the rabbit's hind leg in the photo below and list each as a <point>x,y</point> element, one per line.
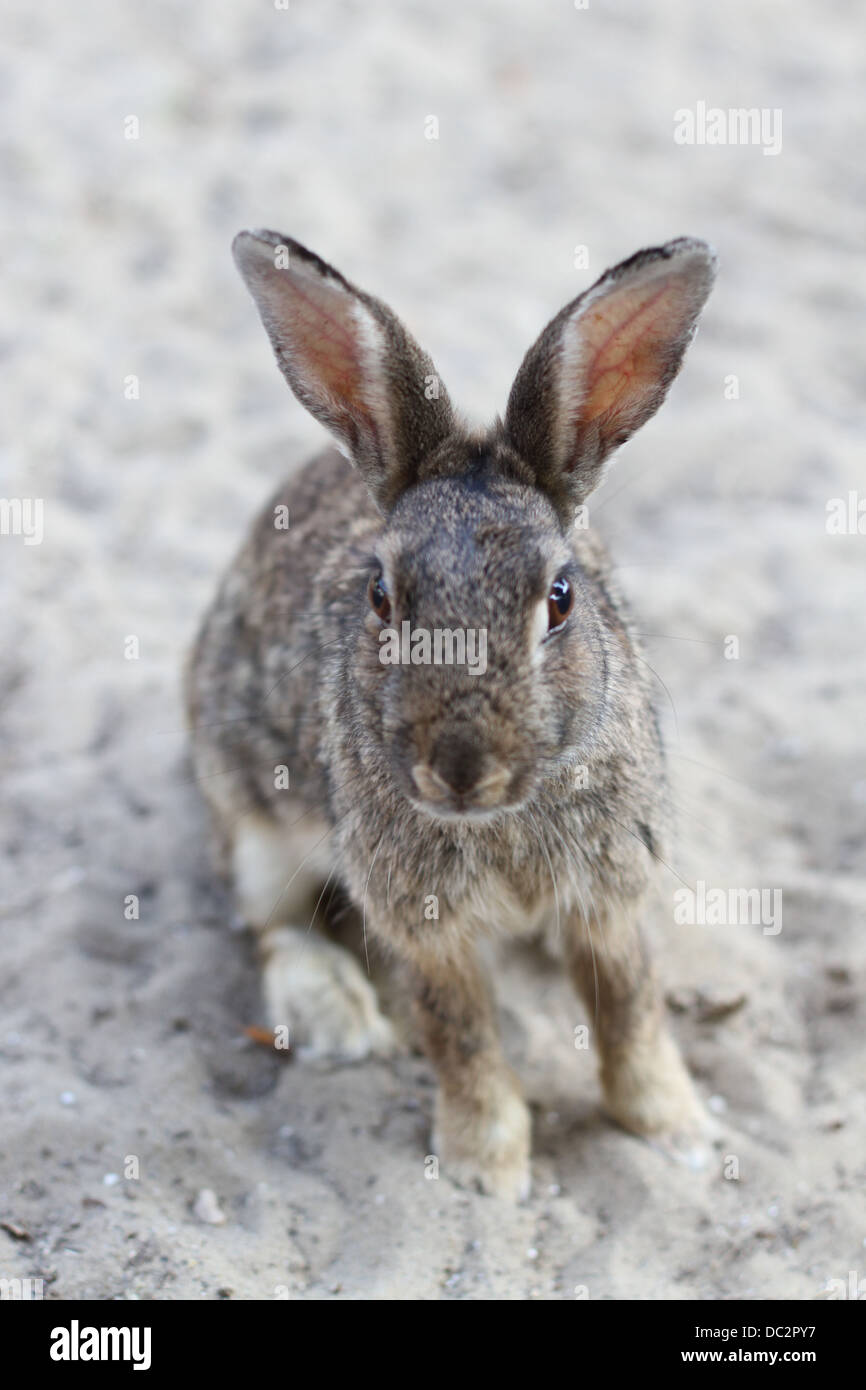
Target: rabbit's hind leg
<point>311,985</point>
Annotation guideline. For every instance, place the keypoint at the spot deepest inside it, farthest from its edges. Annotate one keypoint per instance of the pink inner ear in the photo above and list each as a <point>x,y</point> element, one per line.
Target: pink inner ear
<point>324,345</point>
<point>628,341</point>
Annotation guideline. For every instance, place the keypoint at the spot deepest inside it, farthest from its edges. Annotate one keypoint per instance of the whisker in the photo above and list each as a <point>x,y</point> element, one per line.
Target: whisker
<point>313,810</point>
<point>588,925</point>
<point>342,637</point>
<point>643,659</point>
<point>319,899</point>
<point>600,506</point>
<point>364,913</point>
<point>719,773</point>
<point>544,851</point>
<point>294,876</point>
<point>673,637</point>
<point>257,714</point>
<point>642,841</point>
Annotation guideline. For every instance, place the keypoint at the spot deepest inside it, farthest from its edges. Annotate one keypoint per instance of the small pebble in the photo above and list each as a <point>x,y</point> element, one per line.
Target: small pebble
<point>207,1209</point>
<point>839,974</point>
<point>712,1007</point>
<point>717,1104</point>
<point>15,1231</point>
<point>68,1097</point>
<point>680,1000</point>
<point>111,1179</point>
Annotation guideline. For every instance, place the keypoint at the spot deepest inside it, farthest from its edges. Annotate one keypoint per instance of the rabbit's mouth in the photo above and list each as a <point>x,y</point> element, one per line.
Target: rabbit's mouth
<point>467,788</point>
<point>458,814</point>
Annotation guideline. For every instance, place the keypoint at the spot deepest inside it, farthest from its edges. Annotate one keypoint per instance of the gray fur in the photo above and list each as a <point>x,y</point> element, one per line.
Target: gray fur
<point>469,531</point>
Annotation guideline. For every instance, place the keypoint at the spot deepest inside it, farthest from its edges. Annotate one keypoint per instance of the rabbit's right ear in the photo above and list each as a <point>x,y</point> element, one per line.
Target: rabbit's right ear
<point>603,366</point>
<point>348,359</point>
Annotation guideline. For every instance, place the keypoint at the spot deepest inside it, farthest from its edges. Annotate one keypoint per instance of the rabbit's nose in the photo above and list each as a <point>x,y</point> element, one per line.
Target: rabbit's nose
<point>459,771</point>
<point>458,760</point>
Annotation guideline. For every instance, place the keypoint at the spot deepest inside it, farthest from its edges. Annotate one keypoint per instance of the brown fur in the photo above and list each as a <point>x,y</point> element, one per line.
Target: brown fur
<point>467,531</point>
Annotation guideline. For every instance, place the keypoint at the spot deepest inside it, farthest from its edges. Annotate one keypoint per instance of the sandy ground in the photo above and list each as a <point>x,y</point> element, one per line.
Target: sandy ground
<point>122,1039</point>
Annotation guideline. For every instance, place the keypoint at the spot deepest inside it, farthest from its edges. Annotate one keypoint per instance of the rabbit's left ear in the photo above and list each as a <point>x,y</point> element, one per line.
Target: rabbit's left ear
<point>603,366</point>
<point>348,359</point>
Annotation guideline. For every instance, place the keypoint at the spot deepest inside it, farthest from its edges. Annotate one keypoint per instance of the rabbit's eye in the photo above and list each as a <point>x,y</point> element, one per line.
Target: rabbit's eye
<point>559,602</point>
<point>378,597</point>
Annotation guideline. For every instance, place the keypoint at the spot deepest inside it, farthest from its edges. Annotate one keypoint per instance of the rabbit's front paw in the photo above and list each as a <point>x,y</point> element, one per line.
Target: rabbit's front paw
<point>649,1092</point>
<point>486,1145</point>
<point>318,990</point>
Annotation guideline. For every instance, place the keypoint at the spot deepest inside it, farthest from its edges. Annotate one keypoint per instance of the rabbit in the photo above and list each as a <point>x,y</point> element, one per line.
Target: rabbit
<point>449,802</point>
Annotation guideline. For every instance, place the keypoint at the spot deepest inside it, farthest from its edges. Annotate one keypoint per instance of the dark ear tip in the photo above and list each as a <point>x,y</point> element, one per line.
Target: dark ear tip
<point>253,249</point>
<point>252,242</point>
<point>695,249</point>
<point>691,256</point>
